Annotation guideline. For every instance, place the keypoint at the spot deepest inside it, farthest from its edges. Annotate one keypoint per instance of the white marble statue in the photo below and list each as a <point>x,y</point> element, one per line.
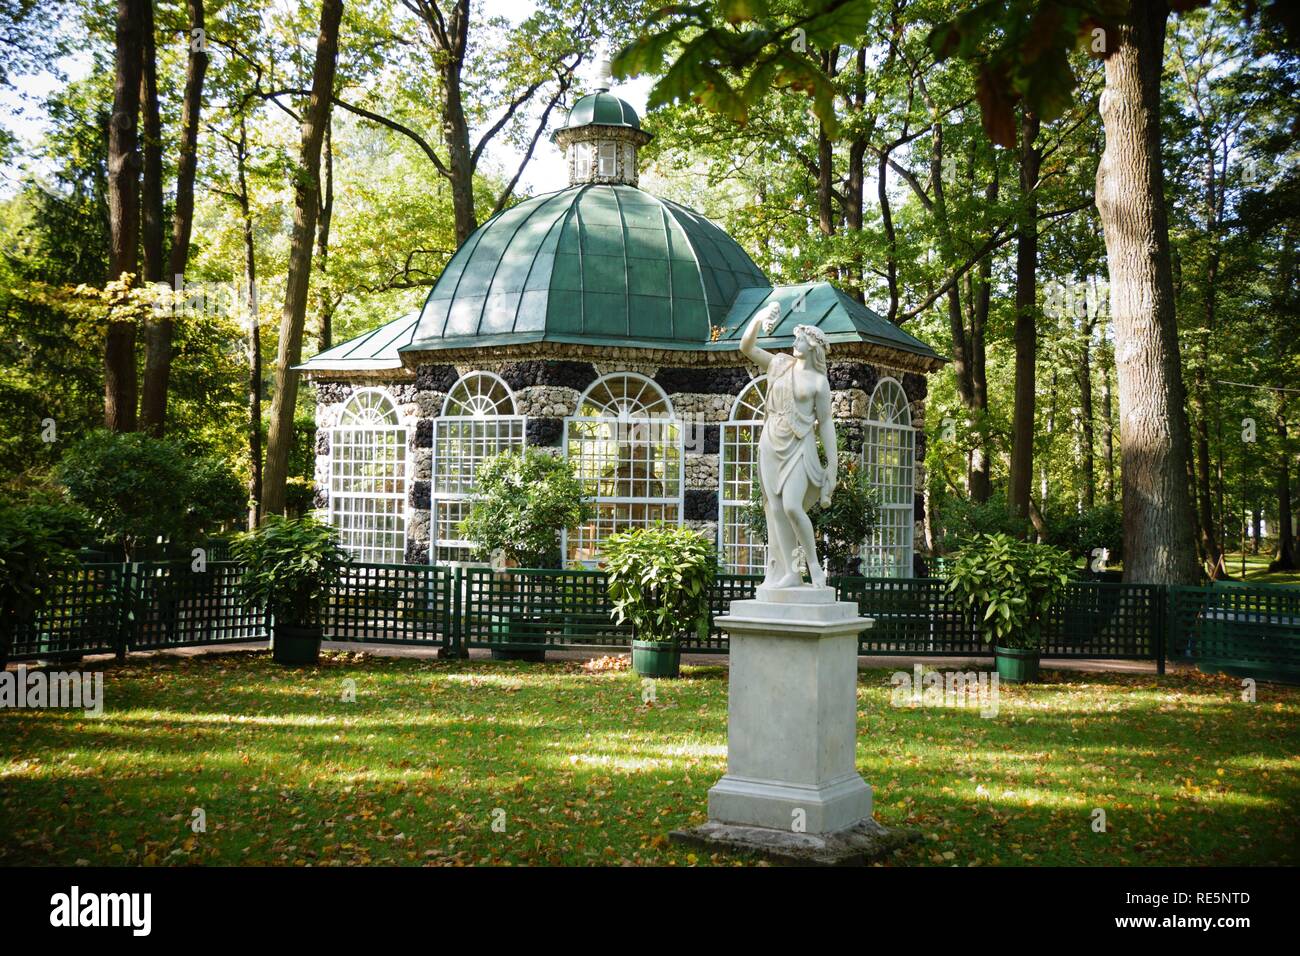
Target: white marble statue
<point>796,412</point>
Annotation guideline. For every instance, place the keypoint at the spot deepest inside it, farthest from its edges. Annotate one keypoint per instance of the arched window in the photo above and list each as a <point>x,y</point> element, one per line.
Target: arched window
<point>479,394</point>
<point>367,478</point>
<point>742,552</point>
<point>888,454</point>
<point>478,421</point>
<point>626,448</point>
<point>625,396</point>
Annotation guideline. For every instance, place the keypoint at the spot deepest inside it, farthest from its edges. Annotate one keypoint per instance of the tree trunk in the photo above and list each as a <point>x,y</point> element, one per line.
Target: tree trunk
<point>826,163</point>
<point>1159,542</point>
<point>1051,435</point>
<point>151,187</point>
<point>891,241</point>
<point>158,333</point>
<point>120,382</point>
<point>1286,550</point>
<point>963,344</point>
<point>324,294</point>
<point>1108,417</point>
<point>1204,494</point>
<point>1026,323</point>
<point>855,182</point>
<point>1086,417</point>
<point>981,473</point>
<point>450,37</point>
<point>289,352</point>
<point>254,423</point>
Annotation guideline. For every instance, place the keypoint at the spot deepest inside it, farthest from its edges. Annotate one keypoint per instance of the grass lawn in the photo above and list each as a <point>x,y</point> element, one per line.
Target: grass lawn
<point>416,769</point>
<point>1257,571</point>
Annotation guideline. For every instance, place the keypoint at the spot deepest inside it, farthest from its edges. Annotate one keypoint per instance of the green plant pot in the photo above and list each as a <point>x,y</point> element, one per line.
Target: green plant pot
<point>519,632</point>
<point>1017,665</point>
<point>652,659</point>
<point>295,645</point>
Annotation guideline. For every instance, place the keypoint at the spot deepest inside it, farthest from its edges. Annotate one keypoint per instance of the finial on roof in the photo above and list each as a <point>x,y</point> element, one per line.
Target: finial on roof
<point>604,71</point>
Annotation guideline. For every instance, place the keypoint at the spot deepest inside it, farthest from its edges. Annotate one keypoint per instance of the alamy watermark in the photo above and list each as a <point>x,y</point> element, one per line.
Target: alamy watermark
<point>72,690</point>
<point>75,909</point>
<point>959,689</point>
<point>237,301</point>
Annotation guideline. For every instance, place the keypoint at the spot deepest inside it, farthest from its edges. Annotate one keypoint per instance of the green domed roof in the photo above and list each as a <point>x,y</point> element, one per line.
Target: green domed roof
<point>602,108</point>
<point>596,264</point>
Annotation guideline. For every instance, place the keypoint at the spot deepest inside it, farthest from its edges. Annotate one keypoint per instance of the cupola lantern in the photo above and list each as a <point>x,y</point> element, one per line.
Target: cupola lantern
<point>601,136</point>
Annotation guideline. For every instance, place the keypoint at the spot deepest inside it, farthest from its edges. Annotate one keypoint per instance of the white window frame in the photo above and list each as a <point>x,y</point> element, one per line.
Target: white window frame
<point>646,420</point>
<point>581,161</point>
<point>889,457</point>
<point>365,485</point>
<point>741,553</point>
<point>607,159</point>
<point>474,426</point>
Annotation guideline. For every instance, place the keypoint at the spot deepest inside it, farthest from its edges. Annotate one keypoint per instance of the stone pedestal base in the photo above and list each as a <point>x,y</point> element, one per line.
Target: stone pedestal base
<point>864,842</point>
<point>791,721</point>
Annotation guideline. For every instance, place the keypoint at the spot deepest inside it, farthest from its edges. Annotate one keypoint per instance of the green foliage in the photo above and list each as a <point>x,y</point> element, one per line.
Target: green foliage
<point>522,504</point>
<point>963,519</point>
<point>290,566</point>
<point>1082,532</point>
<point>730,55</point>
<point>138,488</point>
<point>1009,585</point>
<point>215,497</point>
<point>35,542</point>
<point>1022,49</point>
<point>840,528</point>
<point>850,518</point>
<point>659,580</point>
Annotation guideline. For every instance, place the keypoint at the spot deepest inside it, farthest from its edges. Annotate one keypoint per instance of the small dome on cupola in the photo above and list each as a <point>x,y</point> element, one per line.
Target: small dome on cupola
<point>601,136</point>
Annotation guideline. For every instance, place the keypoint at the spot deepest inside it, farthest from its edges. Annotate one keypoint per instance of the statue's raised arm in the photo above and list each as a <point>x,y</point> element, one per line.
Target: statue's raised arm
<point>766,321</point>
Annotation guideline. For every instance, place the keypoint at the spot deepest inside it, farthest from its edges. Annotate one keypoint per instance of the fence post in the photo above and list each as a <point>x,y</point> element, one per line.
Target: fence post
<point>1164,621</point>
<point>452,614</point>
<point>126,605</point>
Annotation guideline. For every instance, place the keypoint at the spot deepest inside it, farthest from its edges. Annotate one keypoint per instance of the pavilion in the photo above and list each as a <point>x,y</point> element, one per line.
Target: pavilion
<point>602,323</point>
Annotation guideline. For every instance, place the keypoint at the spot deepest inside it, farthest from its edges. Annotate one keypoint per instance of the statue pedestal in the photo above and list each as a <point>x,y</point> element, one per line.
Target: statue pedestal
<point>792,790</point>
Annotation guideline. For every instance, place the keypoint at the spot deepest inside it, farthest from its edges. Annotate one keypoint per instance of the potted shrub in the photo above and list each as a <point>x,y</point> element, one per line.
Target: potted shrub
<point>522,503</point>
<point>659,581</point>
<point>849,520</point>
<point>290,566</point>
<point>1009,586</point>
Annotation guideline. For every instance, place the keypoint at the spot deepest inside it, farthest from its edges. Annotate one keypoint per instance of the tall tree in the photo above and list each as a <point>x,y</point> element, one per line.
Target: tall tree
<point>547,50</point>
<point>120,380</point>
<point>1022,50</point>
<point>306,207</point>
<point>158,333</point>
<point>1026,323</point>
<point>1159,542</point>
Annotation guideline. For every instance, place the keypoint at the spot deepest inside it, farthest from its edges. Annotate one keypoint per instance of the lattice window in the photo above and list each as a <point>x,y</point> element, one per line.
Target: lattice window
<point>742,552</point>
<point>888,454</point>
<point>608,159</point>
<point>624,396</point>
<point>477,423</point>
<point>581,160</point>
<point>478,394</point>
<point>627,450</point>
<point>367,478</point>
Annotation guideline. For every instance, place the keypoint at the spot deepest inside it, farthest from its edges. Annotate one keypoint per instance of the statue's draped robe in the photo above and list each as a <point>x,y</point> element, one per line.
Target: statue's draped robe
<point>789,438</point>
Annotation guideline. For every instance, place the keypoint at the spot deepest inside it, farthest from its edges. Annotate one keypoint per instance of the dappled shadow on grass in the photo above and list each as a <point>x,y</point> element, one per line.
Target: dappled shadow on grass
<point>580,769</point>
<point>1184,771</point>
